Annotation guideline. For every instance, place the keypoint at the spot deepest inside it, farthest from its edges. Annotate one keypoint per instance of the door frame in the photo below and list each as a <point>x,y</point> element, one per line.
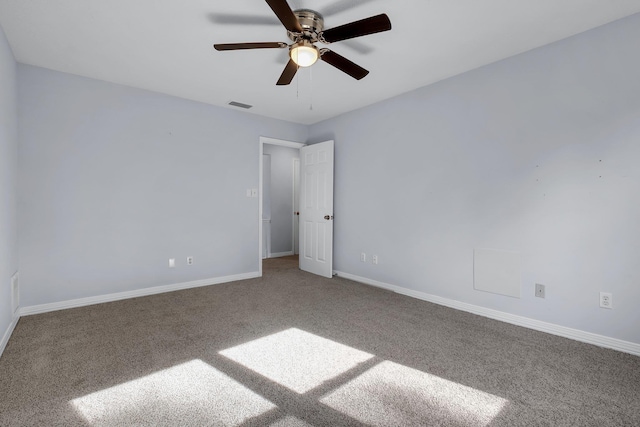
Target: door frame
<point>272,141</point>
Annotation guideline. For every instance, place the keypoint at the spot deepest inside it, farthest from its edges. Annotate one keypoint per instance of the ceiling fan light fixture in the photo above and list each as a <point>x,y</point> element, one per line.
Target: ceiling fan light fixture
<point>306,27</point>
<point>304,54</point>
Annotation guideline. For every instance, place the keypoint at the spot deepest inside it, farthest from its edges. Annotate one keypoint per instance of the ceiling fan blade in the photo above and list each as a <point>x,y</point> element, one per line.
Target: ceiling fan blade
<point>364,27</point>
<point>289,72</point>
<point>238,46</point>
<point>343,64</point>
<point>285,15</point>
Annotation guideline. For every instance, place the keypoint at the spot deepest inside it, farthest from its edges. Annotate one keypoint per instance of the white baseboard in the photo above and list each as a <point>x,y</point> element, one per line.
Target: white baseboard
<point>280,254</point>
<point>7,334</point>
<point>538,325</point>
<point>81,302</point>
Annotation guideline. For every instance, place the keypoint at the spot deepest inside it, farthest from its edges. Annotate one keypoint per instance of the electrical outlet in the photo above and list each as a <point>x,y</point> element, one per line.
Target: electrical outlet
<point>539,290</point>
<point>606,300</point>
<point>172,262</point>
<point>363,257</point>
<point>374,259</point>
<point>189,260</point>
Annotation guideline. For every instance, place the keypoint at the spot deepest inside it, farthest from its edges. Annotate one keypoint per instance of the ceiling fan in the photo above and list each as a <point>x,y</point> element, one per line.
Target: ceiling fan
<point>305,27</point>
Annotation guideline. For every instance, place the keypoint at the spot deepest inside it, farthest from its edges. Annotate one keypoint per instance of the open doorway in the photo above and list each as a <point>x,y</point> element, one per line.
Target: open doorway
<point>279,195</point>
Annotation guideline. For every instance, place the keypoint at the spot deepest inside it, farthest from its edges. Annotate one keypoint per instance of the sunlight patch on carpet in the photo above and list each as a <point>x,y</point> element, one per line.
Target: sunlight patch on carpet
<point>193,393</point>
<point>390,394</point>
<point>296,359</point>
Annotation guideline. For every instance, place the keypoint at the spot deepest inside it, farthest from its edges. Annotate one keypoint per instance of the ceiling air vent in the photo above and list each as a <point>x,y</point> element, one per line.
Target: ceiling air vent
<point>240,104</point>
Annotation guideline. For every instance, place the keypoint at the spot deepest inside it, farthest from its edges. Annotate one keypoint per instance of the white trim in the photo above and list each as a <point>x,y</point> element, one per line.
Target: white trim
<point>280,254</point>
<point>260,184</point>
<point>7,334</point>
<point>281,142</point>
<point>273,141</point>
<point>81,302</point>
<point>538,325</point>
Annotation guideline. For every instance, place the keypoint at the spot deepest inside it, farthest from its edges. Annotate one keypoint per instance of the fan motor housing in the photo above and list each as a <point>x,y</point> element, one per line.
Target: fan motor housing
<point>311,22</point>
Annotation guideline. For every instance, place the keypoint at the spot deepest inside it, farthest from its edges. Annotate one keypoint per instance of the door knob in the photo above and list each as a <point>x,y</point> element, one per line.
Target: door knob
<point>328,217</point>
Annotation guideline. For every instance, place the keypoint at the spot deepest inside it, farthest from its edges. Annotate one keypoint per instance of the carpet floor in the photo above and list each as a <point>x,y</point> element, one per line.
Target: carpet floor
<point>293,349</point>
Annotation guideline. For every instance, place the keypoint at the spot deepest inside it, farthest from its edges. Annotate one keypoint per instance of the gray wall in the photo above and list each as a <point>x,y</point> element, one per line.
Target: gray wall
<point>538,153</point>
<point>8,180</point>
<point>113,181</point>
<point>281,195</point>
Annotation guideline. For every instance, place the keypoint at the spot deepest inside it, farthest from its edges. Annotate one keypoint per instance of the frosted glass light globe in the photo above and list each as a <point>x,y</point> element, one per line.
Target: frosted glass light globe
<point>304,55</point>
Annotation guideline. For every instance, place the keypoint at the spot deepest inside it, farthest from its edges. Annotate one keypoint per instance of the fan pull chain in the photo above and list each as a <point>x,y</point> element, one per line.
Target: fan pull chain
<point>298,82</point>
<point>311,88</point>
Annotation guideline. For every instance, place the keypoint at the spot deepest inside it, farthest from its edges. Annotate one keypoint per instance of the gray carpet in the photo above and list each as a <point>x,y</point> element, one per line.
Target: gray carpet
<point>293,349</point>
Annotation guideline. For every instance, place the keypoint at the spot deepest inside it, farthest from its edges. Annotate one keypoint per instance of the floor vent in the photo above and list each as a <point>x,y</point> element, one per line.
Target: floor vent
<point>240,104</point>
<point>15,293</point>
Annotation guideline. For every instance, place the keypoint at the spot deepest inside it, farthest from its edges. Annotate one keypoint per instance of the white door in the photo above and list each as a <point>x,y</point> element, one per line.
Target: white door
<point>296,206</point>
<point>316,209</point>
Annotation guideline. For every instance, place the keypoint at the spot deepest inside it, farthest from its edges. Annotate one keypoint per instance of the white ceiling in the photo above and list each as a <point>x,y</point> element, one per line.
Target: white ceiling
<point>166,45</point>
